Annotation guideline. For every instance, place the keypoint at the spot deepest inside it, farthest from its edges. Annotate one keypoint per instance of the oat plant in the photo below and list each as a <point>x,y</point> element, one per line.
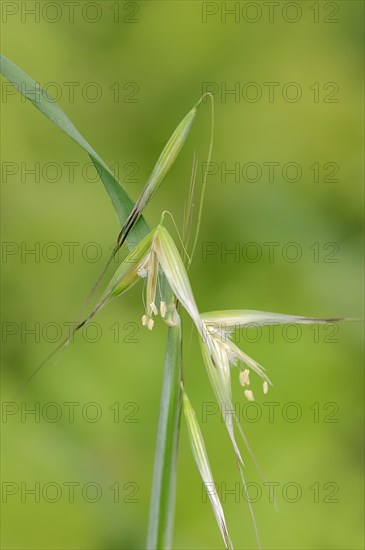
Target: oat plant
<point>161,265</point>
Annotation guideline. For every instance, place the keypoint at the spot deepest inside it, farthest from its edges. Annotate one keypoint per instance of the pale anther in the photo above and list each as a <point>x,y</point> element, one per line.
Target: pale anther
<point>163,309</point>
<point>245,377</point>
<point>249,395</point>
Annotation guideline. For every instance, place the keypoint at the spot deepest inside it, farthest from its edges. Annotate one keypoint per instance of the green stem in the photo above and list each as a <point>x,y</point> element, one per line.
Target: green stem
<point>162,508</point>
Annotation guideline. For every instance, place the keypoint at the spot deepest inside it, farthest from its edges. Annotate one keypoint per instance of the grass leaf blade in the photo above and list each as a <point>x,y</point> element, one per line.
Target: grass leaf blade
<point>122,203</point>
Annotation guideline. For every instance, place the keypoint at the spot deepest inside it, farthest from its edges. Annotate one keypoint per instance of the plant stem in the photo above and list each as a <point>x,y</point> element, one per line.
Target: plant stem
<point>162,508</point>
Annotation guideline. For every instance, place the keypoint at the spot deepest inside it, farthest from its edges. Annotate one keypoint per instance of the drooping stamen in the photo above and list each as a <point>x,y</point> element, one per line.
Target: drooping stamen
<point>153,308</point>
<point>244,377</point>
<point>249,395</point>
<point>163,308</point>
<point>152,279</point>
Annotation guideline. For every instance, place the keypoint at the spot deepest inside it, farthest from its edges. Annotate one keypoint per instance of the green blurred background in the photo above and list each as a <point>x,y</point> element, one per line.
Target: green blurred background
<point>168,52</point>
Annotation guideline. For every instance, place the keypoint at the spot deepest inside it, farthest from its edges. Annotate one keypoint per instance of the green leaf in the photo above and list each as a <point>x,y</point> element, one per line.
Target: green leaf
<point>162,507</point>
<point>39,98</point>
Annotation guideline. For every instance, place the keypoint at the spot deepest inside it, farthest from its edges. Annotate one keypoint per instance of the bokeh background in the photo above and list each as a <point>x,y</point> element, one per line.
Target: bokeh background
<point>160,54</point>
